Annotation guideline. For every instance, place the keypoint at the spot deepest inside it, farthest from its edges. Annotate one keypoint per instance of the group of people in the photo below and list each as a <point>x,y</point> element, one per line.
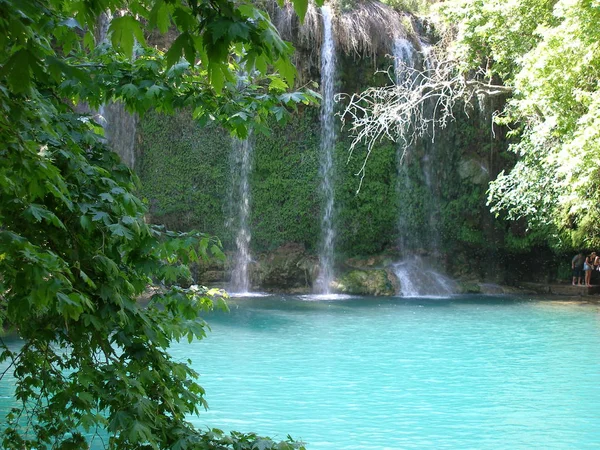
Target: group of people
<point>583,266</point>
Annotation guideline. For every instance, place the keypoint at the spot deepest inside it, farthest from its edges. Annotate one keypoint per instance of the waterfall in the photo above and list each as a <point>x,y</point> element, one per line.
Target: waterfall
<point>326,254</point>
<point>417,275</point>
<point>418,279</point>
<point>428,165</point>
<point>120,131</point>
<point>242,164</point>
<point>404,56</point>
<point>119,126</point>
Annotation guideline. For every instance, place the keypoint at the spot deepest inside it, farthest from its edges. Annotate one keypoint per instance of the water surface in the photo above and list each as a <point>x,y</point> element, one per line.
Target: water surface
<point>378,373</point>
<point>373,373</point>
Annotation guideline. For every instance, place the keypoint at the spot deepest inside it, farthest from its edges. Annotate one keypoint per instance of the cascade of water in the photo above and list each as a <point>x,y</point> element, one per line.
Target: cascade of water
<point>418,279</point>
<point>428,165</point>
<point>415,276</point>
<point>404,57</point>
<point>240,280</point>
<point>326,254</point>
<point>120,131</point>
<point>103,23</point>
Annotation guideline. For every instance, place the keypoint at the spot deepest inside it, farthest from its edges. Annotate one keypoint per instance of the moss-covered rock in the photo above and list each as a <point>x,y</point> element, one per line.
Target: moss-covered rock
<point>365,282</point>
<point>287,269</point>
<point>468,287</point>
<point>372,261</point>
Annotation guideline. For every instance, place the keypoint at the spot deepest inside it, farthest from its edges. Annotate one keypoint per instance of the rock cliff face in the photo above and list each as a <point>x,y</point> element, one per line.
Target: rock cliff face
<point>366,282</point>
<point>287,269</point>
<point>291,269</point>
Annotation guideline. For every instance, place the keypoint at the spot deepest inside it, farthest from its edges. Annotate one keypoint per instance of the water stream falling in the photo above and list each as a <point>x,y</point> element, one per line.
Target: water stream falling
<point>326,253</point>
<point>404,57</point>
<point>420,279</point>
<point>417,276</point>
<point>242,155</point>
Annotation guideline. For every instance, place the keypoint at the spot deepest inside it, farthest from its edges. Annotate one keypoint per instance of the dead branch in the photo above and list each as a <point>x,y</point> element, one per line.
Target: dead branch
<point>420,101</point>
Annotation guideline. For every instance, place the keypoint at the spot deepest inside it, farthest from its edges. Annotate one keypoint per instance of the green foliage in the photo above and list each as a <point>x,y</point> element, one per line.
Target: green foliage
<point>494,34</point>
<point>546,50</point>
<point>420,7</point>
<point>367,220</point>
<point>76,251</point>
<point>185,172</point>
<point>76,254</point>
<point>284,180</point>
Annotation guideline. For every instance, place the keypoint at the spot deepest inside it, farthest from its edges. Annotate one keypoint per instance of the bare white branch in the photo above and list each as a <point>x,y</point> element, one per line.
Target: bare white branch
<point>419,102</point>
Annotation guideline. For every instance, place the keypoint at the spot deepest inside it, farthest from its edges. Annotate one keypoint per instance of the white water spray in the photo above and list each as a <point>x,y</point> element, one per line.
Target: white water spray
<point>240,279</point>
<point>417,278</point>
<point>326,254</point>
<point>404,56</point>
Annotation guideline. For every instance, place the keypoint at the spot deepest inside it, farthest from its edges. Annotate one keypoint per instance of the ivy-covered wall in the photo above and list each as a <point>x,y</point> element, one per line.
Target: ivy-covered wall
<point>186,177</point>
<point>187,180</point>
<point>434,203</point>
<point>184,172</point>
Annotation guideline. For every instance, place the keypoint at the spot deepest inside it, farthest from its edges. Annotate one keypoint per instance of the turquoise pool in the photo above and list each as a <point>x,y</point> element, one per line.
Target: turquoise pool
<point>461,373</point>
<point>374,373</point>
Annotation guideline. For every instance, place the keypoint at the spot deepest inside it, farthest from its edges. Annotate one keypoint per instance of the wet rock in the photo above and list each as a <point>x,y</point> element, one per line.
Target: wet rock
<point>213,276</point>
<point>468,287</point>
<point>287,269</point>
<point>370,262</point>
<point>365,282</point>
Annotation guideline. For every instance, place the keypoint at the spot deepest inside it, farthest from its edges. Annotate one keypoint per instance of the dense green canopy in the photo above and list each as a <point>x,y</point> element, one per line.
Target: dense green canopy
<point>75,251</point>
<point>549,52</point>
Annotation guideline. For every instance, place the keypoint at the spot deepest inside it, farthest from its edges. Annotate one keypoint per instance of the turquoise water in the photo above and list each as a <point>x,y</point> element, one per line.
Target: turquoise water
<point>366,373</point>
<point>405,374</point>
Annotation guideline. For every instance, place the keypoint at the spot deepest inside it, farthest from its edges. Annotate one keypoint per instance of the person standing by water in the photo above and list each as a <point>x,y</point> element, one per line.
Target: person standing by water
<point>577,268</point>
<point>588,266</point>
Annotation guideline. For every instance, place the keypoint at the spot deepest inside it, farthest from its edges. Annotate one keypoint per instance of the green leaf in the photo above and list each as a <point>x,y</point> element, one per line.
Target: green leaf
<point>277,84</point>
<point>123,31</point>
<point>217,78</point>
<point>38,212</point>
<point>217,252</point>
<point>286,69</point>
<point>301,6</point>
<point>175,52</point>
<point>89,41</point>
<point>119,230</point>
<point>18,69</point>
<point>87,279</point>
<point>261,64</point>
<point>159,16</point>
<point>129,91</point>
<point>101,216</point>
<point>184,19</point>
<point>238,30</point>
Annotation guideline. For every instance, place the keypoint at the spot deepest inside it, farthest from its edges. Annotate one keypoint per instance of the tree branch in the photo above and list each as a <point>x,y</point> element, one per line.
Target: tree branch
<point>419,102</point>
